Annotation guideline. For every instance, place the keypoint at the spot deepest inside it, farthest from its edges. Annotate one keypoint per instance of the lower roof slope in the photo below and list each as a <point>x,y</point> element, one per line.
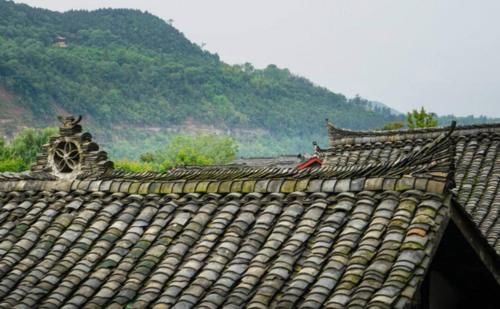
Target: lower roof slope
<point>477,158</point>
<point>359,247</point>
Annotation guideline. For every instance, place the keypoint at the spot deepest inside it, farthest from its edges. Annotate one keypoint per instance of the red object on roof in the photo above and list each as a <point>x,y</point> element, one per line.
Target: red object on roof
<point>311,162</point>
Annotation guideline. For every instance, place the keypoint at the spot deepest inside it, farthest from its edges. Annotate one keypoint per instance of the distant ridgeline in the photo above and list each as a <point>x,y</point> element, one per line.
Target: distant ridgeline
<point>125,68</point>
<point>130,67</point>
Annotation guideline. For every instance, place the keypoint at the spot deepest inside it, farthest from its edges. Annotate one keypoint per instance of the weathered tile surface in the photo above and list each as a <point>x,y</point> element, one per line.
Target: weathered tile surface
<point>477,158</point>
<point>357,235</point>
<point>214,249</point>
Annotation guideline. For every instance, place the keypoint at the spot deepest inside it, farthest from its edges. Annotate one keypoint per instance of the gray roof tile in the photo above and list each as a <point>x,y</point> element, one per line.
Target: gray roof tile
<point>232,237</point>
<point>477,164</point>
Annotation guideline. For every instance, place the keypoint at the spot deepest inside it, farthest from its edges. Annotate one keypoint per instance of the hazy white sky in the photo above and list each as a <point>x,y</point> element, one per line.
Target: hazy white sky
<point>444,55</point>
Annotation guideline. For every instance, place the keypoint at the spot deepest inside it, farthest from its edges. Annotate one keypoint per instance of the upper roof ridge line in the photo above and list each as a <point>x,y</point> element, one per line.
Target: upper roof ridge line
<point>340,136</point>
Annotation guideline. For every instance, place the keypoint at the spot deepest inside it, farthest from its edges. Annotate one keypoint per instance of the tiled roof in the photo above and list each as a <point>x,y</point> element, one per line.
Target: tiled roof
<point>253,237</point>
<point>477,173</point>
<point>97,248</point>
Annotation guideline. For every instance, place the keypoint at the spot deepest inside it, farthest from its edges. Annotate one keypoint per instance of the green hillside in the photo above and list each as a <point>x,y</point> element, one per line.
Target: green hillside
<point>137,79</point>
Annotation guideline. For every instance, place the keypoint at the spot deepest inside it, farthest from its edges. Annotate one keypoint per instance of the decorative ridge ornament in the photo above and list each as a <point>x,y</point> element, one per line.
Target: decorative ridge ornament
<point>71,153</point>
<point>70,125</point>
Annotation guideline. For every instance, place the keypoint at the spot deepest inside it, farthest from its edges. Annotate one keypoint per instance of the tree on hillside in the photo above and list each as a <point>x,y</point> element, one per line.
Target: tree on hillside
<point>207,149</point>
<point>21,152</point>
<point>421,119</point>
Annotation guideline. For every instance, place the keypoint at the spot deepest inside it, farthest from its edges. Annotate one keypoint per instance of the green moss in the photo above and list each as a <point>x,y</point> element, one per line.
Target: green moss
<point>288,186</point>
<point>107,264</point>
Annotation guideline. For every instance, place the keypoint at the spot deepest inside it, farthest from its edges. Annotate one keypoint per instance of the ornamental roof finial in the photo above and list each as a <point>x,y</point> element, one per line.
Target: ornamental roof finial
<point>71,153</point>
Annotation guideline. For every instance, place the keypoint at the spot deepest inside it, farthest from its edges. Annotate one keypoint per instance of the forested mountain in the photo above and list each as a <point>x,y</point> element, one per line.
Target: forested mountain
<point>135,78</point>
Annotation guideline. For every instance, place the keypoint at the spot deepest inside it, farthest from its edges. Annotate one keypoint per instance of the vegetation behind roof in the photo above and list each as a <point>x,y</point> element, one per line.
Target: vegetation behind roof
<point>134,75</point>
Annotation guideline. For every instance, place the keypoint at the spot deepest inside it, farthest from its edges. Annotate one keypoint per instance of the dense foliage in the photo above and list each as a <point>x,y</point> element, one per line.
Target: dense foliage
<point>421,119</point>
<point>126,67</point>
<point>205,149</point>
<point>20,153</point>
<point>134,77</point>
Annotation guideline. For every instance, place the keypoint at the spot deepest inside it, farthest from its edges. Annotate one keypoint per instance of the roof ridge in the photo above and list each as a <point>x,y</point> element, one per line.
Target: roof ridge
<point>426,184</point>
<point>435,159</point>
<point>339,136</point>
